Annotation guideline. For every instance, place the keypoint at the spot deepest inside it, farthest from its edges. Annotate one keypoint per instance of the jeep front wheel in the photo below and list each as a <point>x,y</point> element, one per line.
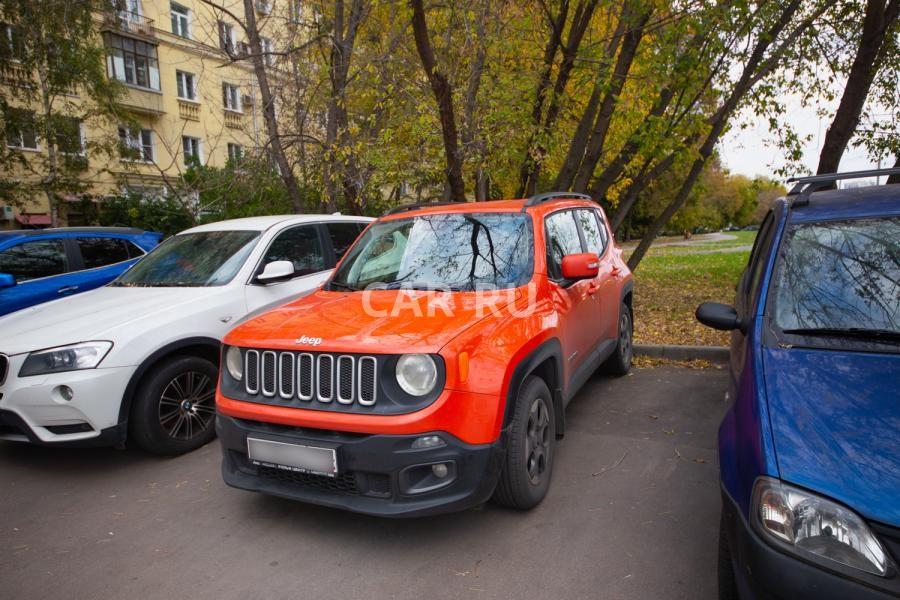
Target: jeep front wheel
<point>525,477</point>
<point>175,408</point>
<point>619,362</point>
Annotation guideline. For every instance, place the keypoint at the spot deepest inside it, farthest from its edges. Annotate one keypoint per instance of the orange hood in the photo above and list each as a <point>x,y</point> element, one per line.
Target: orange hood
<point>387,321</point>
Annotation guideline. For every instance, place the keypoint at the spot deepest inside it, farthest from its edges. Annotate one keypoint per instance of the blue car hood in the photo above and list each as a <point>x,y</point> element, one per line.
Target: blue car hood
<point>836,425</point>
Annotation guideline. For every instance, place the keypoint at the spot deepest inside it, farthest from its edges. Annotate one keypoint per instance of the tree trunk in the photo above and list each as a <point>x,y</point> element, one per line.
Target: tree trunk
<point>443,94</point>
<point>878,20</point>
<point>285,169</point>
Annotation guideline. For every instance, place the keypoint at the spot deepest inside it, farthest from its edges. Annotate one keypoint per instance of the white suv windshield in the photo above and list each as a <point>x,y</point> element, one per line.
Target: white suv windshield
<point>457,251</point>
<point>192,260</point>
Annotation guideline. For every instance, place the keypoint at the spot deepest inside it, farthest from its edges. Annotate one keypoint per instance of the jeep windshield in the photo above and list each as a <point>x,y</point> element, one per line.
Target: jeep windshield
<point>206,259</point>
<point>840,281</point>
<point>455,251</point>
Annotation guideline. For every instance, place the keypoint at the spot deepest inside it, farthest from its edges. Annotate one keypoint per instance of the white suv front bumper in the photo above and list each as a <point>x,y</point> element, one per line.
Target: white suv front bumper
<point>37,403</point>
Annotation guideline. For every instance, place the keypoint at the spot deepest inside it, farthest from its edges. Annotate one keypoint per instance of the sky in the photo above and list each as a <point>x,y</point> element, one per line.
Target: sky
<point>752,151</point>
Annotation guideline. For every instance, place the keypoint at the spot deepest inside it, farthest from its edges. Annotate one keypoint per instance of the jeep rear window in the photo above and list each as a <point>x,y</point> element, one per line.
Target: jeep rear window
<point>840,279</point>
<point>456,251</point>
<point>192,260</point>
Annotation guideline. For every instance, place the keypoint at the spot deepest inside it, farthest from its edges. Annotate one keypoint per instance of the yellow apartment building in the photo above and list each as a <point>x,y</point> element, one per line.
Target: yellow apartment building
<point>192,100</point>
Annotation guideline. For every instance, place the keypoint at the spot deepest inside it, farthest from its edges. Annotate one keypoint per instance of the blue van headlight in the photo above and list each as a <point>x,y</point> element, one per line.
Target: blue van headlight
<point>815,528</point>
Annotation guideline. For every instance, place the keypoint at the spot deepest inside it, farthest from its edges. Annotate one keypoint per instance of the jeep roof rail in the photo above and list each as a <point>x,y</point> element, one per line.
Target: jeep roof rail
<point>418,205</point>
<point>546,196</point>
<point>805,186</point>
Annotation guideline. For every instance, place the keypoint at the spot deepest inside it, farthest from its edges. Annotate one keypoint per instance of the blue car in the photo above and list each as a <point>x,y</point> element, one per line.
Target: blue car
<point>41,265</point>
<point>809,450</point>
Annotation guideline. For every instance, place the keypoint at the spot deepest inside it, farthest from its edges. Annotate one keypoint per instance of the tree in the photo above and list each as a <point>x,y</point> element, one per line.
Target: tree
<point>876,46</point>
<point>55,81</point>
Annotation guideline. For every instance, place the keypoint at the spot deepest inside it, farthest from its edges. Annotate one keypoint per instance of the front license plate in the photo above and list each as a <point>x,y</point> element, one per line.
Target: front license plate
<point>292,457</point>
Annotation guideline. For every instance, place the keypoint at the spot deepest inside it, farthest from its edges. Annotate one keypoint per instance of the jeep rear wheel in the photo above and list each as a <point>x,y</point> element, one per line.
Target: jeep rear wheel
<point>619,362</point>
<point>174,410</point>
<point>525,477</point>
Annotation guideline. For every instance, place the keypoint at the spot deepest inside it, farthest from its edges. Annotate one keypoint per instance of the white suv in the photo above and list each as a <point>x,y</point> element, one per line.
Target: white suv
<point>139,357</point>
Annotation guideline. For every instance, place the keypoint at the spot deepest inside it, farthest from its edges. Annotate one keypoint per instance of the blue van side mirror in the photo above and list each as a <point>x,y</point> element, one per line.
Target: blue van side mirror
<point>719,316</point>
<point>6,280</point>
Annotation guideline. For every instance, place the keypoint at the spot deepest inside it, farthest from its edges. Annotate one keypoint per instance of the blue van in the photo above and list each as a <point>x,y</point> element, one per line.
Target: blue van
<point>41,265</point>
<point>809,451</point>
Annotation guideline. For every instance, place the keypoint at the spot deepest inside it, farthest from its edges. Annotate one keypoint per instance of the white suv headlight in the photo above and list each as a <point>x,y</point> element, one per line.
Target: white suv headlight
<point>416,374</point>
<point>74,357</point>
<point>815,528</point>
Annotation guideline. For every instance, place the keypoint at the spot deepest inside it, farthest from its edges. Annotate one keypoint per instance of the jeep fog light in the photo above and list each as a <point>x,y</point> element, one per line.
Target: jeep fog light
<point>234,362</point>
<point>416,374</point>
<point>816,528</point>
<point>440,470</point>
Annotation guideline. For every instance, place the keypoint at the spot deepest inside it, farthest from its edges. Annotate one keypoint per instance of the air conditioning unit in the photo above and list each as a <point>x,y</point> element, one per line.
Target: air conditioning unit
<point>6,213</point>
<point>247,100</point>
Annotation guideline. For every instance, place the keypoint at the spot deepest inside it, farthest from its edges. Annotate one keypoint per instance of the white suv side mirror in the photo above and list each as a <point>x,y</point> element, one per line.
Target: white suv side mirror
<point>277,270</point>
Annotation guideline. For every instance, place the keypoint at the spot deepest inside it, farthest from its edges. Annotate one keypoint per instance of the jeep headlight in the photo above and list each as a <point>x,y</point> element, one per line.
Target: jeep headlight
<point>815,528</point>
<point>416,374</point>
<point>234,362</point>
<point>74,357</point>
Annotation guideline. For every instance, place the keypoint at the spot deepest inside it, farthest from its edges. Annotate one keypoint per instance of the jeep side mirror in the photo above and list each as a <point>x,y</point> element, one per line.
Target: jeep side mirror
<point>275,271</point>
<point>580,266</point>
<point>7,281</point>
<point>719,316</point>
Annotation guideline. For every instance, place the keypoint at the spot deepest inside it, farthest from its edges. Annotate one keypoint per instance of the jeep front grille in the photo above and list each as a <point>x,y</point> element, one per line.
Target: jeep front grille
<point>305,376</point>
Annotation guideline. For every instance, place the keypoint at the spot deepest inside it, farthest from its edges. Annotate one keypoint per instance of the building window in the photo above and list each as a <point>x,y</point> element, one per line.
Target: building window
<point>191,147</point>
<point>231,97</point>
<point>235,152</point>
<point>12,43</point>
<point>267,49</point>
<point>69,135</point>
<point>226,37</point>
<point>21,132</point>
<point>181,20</point>
<point>296,11</point>
<point>133,61</point>
<point>136,144</point>
<point>187,90</point>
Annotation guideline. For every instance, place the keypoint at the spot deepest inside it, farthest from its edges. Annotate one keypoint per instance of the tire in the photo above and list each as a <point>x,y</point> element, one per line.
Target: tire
<point>175,407</point>
<point>727,584</point>
<point>525,477</point>
<point>619,362</point>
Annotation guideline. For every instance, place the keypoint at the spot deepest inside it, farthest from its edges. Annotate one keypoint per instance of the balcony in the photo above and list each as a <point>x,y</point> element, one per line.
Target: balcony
<point>234,120</point>
<point>14,74</point>
<point>144,101</point>
<point>125,21</point>
<point>189,111</point>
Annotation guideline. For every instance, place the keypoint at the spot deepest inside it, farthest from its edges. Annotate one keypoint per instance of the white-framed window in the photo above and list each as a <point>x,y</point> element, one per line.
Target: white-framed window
<point>296,11</point>
<point>186,83</point>
<point>132,61</point>
<point>136,144</point>
<point>12,44</point>
<point>263,7</point>
<point>192,151</point>
<point>181,20</point>
<point>21,133</point>
<point>267,49</point>
<point>235,152</point>
<point>129,10</point>
<point>227,41</point>
<point>70,135</point>
<point>231,97</point>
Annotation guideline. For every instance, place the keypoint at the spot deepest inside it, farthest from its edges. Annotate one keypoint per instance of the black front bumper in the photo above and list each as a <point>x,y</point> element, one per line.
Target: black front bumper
<point>764,572</point>
<point>376,472</point>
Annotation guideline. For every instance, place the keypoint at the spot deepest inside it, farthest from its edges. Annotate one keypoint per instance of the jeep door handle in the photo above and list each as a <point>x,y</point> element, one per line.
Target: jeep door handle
<point>593,288</point>
<point>615,271</point>
<point>66,289</point>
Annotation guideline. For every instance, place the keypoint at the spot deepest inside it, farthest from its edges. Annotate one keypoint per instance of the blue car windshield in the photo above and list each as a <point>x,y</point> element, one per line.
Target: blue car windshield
<point>842,277</point>
<point>455,251</point>
<point>204,259</point>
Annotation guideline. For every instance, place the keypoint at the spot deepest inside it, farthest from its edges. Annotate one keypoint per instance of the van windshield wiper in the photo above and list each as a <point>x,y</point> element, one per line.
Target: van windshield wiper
<point>848,332</point>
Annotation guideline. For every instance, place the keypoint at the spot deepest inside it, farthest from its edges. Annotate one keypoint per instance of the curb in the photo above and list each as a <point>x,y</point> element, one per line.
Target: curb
<point>716,354</point>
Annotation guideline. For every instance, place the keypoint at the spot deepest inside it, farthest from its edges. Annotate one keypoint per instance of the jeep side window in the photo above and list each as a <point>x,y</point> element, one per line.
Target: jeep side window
<point>590,227</point>
<point>34,260</point>
<point>300,245</point>
<point>562,239</point>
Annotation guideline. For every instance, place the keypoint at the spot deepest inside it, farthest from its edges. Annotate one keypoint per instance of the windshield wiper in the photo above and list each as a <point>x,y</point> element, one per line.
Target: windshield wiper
<point>344,286</point>
<point>848,332</point>
<point>416,285</point>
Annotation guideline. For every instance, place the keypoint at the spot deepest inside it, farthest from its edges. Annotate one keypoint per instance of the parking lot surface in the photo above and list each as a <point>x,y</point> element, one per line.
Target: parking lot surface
<point>632,513</point>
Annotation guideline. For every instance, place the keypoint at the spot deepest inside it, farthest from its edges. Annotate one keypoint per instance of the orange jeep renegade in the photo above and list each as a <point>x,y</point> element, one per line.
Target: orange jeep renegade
<point>432,370</point>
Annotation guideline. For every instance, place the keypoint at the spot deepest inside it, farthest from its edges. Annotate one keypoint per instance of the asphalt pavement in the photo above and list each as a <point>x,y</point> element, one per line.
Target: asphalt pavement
<point>632,513</point>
